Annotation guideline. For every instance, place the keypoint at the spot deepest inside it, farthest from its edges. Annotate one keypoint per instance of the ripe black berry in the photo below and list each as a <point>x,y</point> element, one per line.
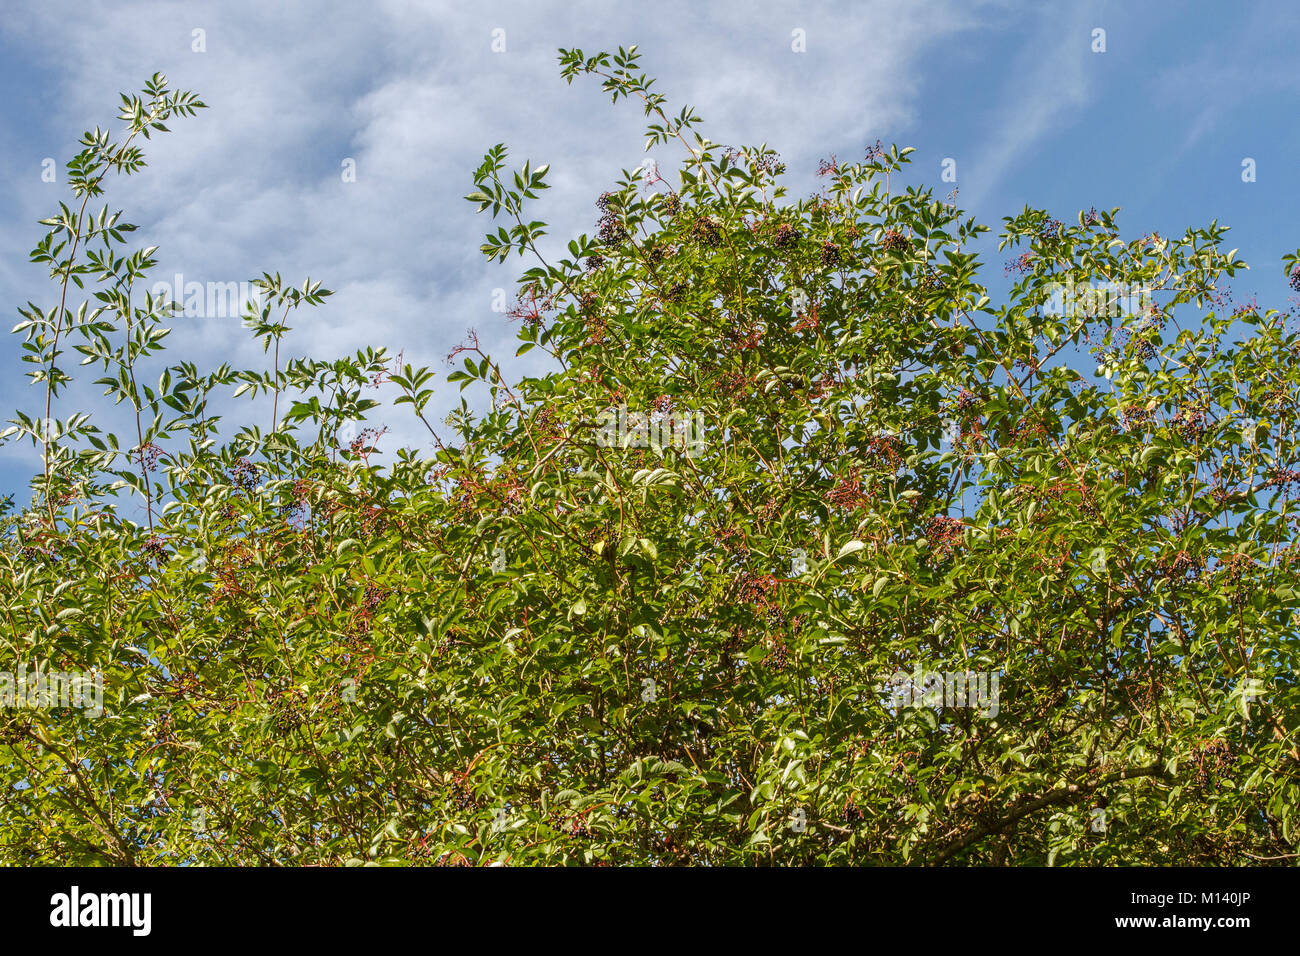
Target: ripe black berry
<point>893,240</point>
<point>707,232</point>
<point>786,236</point>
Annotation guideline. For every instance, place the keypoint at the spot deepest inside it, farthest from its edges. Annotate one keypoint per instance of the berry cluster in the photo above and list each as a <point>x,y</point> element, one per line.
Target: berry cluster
<point>707,232</point>
<point>531,307</point>
<point>244,474</point>
<point>153,548</point>
<point>506,489</point>
<point>463,797</point>
<point>286,708</point>
<point>1236,565</point>
<point>769,163</point>
<point>610,229</point>
<point>848,493</point>
<point>830,255</point>
<point>30,553</point>
<point>760,593</point>
<point>1048,495</point>
<point>1050,229</point>
<point>821,387</point>
<point>966,401</point>
<point>893,241</point>
<point>734,384</point>
<point>295,512</point>
<point>1028,429</point>
<point>374,596</point>
<point>676,292</point>
<point>546,426</point>
<point>1020,265</point>
<point>1178,568</point>
<point>149,454</point>
<point>745,336</point>
<point>944,534</point>
<point>183,685</point>
<point>1245,309</point>
<point>899,768</point>
<point>1295,278</point>
<point>1286,479</point>
<point>778,658</point>
<point>1189,423</point>
<point>1211,759</point>
<point>596,323</point>
<point>363,444</point>
<point>373,520</point>
<point>931,280</point>
<point>785,236</point>
<point>807,320</point>
<point>884,449</point>
<point>1135,415</point>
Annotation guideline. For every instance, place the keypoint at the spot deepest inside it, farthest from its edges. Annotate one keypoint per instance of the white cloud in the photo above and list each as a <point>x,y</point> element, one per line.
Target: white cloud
<point>413,93</point>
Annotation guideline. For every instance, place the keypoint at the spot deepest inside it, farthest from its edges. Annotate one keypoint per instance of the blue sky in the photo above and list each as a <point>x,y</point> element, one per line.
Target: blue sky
<point>413,92</point>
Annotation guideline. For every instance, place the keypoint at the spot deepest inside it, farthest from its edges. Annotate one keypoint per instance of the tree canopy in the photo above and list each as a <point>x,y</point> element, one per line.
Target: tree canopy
<point>804,550</point>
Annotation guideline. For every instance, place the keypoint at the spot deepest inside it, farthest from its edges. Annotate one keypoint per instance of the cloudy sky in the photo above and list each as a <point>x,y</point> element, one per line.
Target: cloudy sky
<point>413,93</point>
